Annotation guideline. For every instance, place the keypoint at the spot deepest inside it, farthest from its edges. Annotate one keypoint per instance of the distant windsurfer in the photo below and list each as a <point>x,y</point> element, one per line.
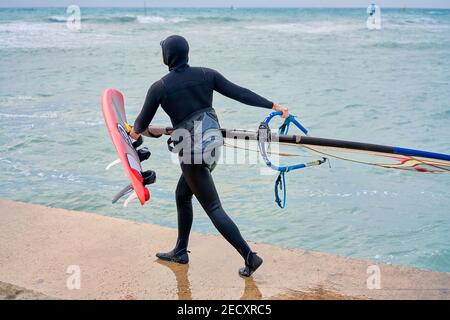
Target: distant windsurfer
<point>183,93</point>
<point>374,17</point>
<point>371,9</point>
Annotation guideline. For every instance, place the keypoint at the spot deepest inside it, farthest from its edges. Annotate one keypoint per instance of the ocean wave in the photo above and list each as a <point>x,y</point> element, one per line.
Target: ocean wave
<point>417,23</point>
<point>322,27</point>
<point>416,20</point>
<point>106,19</point>
<point>57,19</point>
<point>21,169</point>
<point>159,19</point>
<point>61,19</point>
<point>423,45</point>
<point>83,124</point>
<point>115,19</point>
<point>47,115</point>
<point>29,34</point>
<point>17,98</point>
<point>442,115</point>
<point>121,19</point>
<point>22,27</point>
<point>217,19</point>
<point>12,99</point>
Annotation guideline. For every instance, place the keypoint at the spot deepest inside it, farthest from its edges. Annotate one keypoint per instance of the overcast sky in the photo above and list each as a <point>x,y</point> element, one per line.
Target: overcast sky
<point>226,3</point>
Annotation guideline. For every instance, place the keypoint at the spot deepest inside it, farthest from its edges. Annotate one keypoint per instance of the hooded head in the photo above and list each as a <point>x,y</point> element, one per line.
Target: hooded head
<point>175,50</point>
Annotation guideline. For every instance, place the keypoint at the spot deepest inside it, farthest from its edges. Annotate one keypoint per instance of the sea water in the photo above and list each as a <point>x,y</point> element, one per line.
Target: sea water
<point>389,86</point>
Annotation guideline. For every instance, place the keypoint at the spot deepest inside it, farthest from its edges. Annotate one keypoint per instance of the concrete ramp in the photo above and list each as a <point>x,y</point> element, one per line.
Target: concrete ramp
<point>115,259</point>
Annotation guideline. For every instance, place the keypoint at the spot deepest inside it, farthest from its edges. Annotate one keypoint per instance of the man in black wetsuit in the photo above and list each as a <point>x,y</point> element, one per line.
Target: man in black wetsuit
<point>182,92</point>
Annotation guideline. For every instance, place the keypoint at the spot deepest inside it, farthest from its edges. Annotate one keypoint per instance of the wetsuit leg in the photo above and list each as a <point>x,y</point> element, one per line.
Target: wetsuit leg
<point>183,196</point>
<point>199,180</point>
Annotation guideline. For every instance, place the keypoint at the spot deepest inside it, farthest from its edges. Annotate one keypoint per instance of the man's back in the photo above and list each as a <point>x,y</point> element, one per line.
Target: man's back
<point>185,90</point>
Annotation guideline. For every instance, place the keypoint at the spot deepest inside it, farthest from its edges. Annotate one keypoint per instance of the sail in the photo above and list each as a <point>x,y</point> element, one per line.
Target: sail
<point>382,156</point>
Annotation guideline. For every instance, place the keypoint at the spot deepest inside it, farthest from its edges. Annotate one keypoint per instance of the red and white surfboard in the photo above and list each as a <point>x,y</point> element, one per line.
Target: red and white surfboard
<point>113,109</point>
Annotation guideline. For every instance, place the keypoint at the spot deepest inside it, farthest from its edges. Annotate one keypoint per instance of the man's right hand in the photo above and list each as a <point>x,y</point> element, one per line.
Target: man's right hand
<point>285,110</point>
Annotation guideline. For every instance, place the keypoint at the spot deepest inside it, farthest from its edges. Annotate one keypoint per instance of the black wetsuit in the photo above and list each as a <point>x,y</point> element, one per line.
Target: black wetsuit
<point>183,91</point>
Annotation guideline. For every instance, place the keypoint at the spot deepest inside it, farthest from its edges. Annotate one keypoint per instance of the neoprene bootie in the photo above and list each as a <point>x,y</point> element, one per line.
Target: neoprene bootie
<point>180,256</point>
<point>251,264</point>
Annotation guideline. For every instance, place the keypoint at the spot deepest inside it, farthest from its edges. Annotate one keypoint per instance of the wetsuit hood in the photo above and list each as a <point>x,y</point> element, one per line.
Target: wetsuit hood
<point>175,50</point>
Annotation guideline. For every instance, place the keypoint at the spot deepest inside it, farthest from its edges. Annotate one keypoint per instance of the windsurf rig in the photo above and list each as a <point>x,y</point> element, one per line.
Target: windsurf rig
<point>324,149</point>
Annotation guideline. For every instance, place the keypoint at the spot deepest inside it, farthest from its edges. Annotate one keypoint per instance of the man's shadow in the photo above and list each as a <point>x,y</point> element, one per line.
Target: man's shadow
<point>251,291</point>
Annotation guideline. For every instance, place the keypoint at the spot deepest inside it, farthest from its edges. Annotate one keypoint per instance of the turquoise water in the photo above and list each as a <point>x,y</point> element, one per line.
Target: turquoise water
<point>390,86</point>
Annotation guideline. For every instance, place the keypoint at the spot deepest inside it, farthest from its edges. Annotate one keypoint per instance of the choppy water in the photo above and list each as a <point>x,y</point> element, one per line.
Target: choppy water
<point>390,86</point>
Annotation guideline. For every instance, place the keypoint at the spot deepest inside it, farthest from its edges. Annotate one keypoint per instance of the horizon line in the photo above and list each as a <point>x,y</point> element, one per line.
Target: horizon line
<point>220,7</point>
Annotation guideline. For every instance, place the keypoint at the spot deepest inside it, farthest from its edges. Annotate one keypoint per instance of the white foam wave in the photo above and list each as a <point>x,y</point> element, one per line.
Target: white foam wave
<point>322,27</point>
<point>45,35</point>
<point>417,23</point>
<point>159,20</point>
<point>90,123</point>
<point>19,98</point>
<point>57,19</point>
<point>47,115</point>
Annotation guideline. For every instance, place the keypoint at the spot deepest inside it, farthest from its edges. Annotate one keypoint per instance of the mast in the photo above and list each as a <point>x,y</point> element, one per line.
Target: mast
<point>240,134</point>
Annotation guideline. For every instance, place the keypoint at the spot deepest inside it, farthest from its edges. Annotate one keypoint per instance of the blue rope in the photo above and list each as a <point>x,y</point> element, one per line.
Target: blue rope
<point>264,135</point>
<point>284,128</point>
<point>280,185</point>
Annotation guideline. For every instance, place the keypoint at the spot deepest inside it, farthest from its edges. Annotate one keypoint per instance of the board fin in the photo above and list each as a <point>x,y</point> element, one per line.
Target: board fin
<point>149,177</point>
<point>130,198</point>
<point>122,193</point>
<point>112,164</point>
